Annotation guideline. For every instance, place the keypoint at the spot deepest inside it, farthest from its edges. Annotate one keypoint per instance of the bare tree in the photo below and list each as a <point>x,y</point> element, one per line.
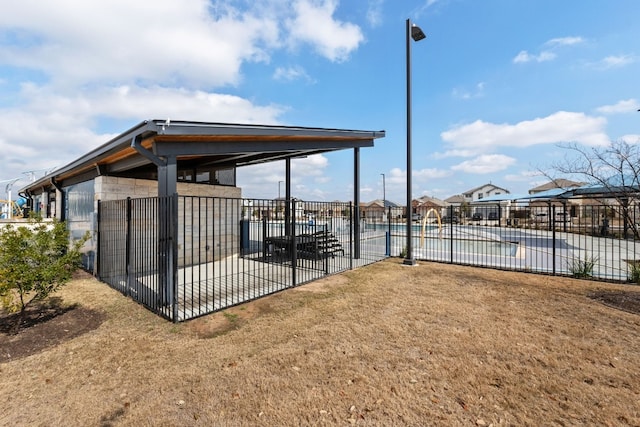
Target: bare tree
<point>613,173</point>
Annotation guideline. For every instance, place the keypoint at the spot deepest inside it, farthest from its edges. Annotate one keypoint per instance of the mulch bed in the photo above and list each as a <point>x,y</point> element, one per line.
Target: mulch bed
<point>42,327</point>
<point>626,301</point>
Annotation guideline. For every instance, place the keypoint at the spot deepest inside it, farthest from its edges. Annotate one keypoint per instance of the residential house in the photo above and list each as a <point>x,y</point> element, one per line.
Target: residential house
<point>486,190</point>
<point>422,207</point>
<point>378,210</point>
<point>566,208</point>
<point>475,196</point>
<point>460,205</point>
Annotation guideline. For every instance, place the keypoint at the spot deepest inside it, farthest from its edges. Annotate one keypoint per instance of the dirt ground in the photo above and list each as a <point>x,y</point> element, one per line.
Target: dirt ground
<point>387,344</point>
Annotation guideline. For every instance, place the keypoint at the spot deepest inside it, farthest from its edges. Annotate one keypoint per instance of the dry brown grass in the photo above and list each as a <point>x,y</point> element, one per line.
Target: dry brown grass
<point>382,345</point>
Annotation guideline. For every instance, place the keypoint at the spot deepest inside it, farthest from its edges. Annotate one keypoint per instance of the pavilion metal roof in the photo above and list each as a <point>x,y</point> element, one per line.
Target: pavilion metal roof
<point>204,144</point>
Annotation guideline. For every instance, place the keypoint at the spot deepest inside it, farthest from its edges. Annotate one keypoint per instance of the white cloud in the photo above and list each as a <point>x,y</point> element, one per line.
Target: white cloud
<point>114,60</point>
<point>562,126</point>
<point>79,109</point>
<point>78,42</point>
<point>455,153</point>
<point>478,92</point>
<point>374,12</point>
<point>263,179</point>
<point>522,56</point>
<point>42,141</point>
<point>426,5</point>
<point>314,24</point>
<point>623,106</point>
<point>631,138</point>
<point>485,164</point>
<point>525,56</point>
<point>430,173</point>
<point>396,176</point>
<point>52,129</point>
<point>292,73</point>
<point>564,41</point>
<point>190,43</point>
<point>616,61</point>
<point>548,54</point>
<point>310,166</point>
<point>523,176</point>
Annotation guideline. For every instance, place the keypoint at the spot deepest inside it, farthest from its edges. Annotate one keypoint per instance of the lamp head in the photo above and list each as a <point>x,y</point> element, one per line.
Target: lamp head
<point>417,34</point>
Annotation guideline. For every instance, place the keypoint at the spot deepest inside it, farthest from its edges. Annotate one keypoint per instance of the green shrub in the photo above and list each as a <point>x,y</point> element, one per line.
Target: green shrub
<point>634,272</point>
<point>35,261</point>
<point>582,268</point>
<point>403,252</point>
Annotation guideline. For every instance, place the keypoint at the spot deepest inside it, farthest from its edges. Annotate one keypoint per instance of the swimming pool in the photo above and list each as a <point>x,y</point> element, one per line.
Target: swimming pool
<point>466,246</point>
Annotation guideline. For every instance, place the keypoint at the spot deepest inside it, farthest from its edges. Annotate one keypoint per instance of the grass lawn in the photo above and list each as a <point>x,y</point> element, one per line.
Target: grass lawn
<point>386,344</point>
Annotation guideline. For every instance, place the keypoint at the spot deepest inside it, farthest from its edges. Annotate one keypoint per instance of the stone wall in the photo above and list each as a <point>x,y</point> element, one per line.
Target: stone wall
<point>208,229</point>
<point>208,216</point>
<point>116,188</point>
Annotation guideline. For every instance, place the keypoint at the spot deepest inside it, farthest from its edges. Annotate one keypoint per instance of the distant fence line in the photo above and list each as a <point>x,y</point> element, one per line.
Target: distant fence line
<point>597,245</point>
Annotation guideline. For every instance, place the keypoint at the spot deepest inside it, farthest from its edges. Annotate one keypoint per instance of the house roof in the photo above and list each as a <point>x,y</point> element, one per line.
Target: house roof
<point>556,183</point>
<point>613,187</point>
<point>458,198</point>
<point>201,144</point>
<point>473,190</point>
<point>554,193</point>
<point>424,200</point>
<point>379,203</point>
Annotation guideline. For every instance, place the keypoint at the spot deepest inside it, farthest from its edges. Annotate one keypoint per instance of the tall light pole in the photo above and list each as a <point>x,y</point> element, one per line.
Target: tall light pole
<point>414,32</point>
<point>279,182</point>
<point>384,193</point>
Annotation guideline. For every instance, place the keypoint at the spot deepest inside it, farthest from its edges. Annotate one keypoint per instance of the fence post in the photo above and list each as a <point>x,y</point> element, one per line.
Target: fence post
<point>387,240</point>
<point>451,232</point>
<point>294,245</point>
<point>168,254</point>
<point>98,251</point>
<point>351,229</point>
<point>264,238</point>
<point>127,248</point>
<point>174,252</point>
<point>552,221</point>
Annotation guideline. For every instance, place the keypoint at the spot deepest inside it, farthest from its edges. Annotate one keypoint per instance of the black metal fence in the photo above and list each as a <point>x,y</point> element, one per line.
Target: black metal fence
<point>186,256</point>
<point>590,241</point>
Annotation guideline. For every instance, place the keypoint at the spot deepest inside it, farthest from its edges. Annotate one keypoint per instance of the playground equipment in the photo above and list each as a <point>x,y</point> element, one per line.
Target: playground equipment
<point>12,209</point>
<point>424,225</point>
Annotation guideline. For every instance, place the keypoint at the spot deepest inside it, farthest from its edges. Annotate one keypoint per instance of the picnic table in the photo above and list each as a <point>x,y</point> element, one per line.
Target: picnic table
<point>314,246</point>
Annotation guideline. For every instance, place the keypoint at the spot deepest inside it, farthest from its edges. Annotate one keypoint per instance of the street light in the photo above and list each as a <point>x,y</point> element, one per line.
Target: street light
<point>416,34</point>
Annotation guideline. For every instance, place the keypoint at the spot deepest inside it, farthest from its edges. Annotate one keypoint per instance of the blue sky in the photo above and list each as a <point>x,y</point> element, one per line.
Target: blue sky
<point>497,84</point>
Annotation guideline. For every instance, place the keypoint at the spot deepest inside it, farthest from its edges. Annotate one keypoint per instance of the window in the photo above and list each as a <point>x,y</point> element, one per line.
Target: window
<point>212,176</point>
<point>480,196</point>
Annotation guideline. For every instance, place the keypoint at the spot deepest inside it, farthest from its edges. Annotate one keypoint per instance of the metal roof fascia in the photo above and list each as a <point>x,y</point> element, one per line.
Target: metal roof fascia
<point>252,146</point>
<point>167,127</point>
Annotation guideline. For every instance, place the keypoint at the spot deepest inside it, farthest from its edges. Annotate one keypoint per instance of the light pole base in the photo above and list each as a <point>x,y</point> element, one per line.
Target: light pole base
<point>409,261</point>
